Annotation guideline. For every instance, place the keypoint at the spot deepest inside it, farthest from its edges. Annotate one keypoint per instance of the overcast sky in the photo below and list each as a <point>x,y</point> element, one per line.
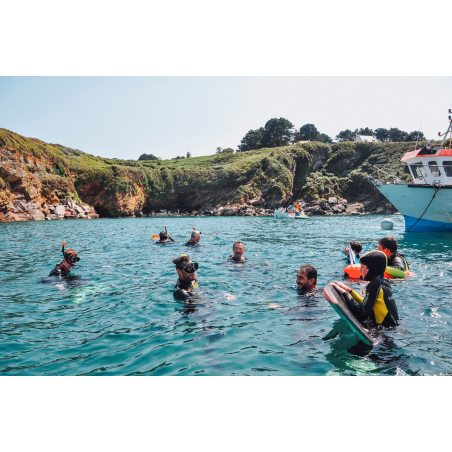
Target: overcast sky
<point>124,117</point>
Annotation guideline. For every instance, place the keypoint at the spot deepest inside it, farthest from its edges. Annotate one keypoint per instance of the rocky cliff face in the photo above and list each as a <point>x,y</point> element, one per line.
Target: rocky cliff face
<point>40,180</point>
<point>30,189</point>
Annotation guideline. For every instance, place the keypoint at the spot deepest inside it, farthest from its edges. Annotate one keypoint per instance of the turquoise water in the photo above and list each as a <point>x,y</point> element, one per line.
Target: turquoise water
<point>116,315</point>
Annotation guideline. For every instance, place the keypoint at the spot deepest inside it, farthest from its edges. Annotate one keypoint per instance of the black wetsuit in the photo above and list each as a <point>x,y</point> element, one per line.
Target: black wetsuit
<point>378,305</point>
<point>242,261</point>
<point>184,290</point>
<point>59,271</point>
<point>191,243</point>
<point>398,260</point>
<point>162,243</point>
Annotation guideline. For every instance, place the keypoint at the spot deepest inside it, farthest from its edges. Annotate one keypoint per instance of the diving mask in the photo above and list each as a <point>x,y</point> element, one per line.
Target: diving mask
<point>191,267</point>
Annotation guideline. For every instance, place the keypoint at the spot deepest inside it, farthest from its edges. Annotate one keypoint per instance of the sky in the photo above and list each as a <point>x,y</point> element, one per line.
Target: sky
<point>124,117</point>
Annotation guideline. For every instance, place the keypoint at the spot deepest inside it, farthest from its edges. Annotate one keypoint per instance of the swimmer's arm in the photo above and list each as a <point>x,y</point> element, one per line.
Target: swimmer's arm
<point>363,309</point>
<point>356,296</point>
<point>399,264</point>
<point>183,295</point>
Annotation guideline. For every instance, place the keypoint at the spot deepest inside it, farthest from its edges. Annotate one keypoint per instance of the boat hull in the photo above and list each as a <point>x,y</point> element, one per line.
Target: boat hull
<point>412,201</point>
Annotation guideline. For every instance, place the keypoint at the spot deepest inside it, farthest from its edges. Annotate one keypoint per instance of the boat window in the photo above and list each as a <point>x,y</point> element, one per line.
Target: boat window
<point>418,171</point>
<point>448,168</point>
<point>434,168</point>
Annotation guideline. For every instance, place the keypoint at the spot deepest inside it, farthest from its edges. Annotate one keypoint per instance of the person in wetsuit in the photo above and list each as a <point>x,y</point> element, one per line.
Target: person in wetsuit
<point>397,264</point>
<point>378,305</point>
<point>163,237</point>
<point>187,281</point>
<point>238,249</point>
<point>306,279</point>
<point>356,247</point>
<point>195,238</point>
<point>70,261</point>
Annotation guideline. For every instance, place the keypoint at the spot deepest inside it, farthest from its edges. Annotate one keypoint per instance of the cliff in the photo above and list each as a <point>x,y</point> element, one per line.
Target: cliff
<point>36,176</point>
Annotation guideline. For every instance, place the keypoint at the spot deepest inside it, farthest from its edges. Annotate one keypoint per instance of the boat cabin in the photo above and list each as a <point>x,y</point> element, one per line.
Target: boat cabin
<point>430,165</point>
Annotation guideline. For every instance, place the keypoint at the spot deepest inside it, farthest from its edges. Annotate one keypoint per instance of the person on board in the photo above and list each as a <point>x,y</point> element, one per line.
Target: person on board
<point>356,247</point>
<point>188,279</point>
<point>163,237</point>
<point>306,279</point>
<point>70,259</point>
<point>195,238</point>
<point>238,249</point>
<point>397,264</point>
<point>378,305</point>
<point>428,149</point>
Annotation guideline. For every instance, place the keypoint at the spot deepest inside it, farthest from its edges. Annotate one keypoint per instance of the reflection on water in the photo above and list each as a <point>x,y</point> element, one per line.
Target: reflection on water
<point>115,313</point>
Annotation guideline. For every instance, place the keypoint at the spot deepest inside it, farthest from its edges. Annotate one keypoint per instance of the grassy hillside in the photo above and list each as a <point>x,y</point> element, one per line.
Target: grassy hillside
<point>310,171</point>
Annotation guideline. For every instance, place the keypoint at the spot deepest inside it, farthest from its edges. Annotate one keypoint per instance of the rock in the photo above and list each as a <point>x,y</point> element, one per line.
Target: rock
<point>344,202</point>
<point>78,209</point>
<point>60,210</point>
<point>315,210</point>
<point>338,208</point>
<point>332,200</point>
<point>86,209</point>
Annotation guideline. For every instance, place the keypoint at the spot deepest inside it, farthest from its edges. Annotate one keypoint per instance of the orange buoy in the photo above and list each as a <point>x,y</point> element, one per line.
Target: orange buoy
<point>353,271</point>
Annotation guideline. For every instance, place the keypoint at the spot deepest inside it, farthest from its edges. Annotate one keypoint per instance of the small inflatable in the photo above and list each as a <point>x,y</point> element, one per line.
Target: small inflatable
<point>387,224</point>
<point>339,305</point>
<point>354,272</point>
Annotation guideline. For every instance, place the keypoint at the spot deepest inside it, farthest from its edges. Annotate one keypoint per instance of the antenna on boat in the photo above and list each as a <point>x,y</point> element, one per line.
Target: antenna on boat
<point>417,139</point>
<point>448,129</point>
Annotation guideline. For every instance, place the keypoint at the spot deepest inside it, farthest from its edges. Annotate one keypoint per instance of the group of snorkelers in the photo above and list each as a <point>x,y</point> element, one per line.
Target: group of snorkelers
<point>376,304</point>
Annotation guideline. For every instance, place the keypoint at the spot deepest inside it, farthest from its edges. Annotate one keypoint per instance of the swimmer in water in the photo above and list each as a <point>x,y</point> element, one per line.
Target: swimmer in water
<point>238,249</point>
<point>187,282</point>
<point>306,279</point>
<point>397,264</point>
<point>164,236</point>
<point>70,261</point>
<point>379,304</point>
<point>195,238</point>
<point>356,247</point>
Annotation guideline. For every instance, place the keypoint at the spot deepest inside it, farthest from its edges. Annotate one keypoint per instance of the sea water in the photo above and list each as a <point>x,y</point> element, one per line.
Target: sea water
<point>116,314</point>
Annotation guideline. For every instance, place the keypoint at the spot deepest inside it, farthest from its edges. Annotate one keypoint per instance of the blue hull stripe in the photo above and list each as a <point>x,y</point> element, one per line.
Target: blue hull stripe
<point>426,225</point>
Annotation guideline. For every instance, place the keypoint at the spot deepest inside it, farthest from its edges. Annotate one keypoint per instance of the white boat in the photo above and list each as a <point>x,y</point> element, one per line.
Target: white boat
<point>282,213</point>
<point>426,203</point>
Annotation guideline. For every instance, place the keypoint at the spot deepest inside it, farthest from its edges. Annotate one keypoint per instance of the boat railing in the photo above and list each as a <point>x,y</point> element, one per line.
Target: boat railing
<point>387,174</point>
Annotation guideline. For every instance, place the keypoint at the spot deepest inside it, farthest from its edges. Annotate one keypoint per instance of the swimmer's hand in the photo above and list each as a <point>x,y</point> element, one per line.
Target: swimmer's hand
<point>230,297</point>
<point>346,251</point>
<point>275,306</point>
<point>340,287</point>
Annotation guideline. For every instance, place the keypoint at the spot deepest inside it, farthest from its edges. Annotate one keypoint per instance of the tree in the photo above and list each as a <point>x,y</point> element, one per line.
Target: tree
<point>252,140</point>
<point>413,136</point>
<point>148,157</point>
<point>188,155</point>
<point>309,132</point>
<point>347,135</point>
<point>225,151</point>
<point>382,134</point>
<point>366,131</point>
<point>397,134</point>
<point>323,138</point>
<point>219,150</point>
<point>277,132</point>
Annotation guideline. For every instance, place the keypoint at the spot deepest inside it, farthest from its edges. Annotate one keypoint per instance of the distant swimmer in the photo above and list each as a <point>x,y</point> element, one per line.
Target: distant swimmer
<point>397,264</point>
<point>163,237</point>
<point>238,249</point>
<point>306,279</point>
<point>195,238</point>
<point>379,304</point>
<point>70,261</point>
<point>187,282</point>
<point>356,248</point>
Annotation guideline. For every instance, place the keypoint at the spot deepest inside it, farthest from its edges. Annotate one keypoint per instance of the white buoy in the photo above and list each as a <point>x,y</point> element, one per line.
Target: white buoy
<point>387,224</point>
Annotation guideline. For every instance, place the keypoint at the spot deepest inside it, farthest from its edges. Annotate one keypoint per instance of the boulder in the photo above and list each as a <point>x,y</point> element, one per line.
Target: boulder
<point>338,208</point>
<point>344,202</point>
<point>60,210</point>
<point>86,209</point>
<point>332,200</point>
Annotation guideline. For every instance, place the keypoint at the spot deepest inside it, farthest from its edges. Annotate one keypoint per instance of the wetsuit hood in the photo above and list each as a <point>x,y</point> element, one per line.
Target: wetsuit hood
<point>376,262</point>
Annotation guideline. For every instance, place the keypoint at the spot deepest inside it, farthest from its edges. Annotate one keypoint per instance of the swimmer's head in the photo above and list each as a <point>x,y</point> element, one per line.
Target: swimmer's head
<point>70,256</point>
<point>163,236</point>
<point>195,235</point>
<point>306,278</point>
<point>373,264</point>
<point>186,269</point>
<point>356,247</point>
<point>388,245</point>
